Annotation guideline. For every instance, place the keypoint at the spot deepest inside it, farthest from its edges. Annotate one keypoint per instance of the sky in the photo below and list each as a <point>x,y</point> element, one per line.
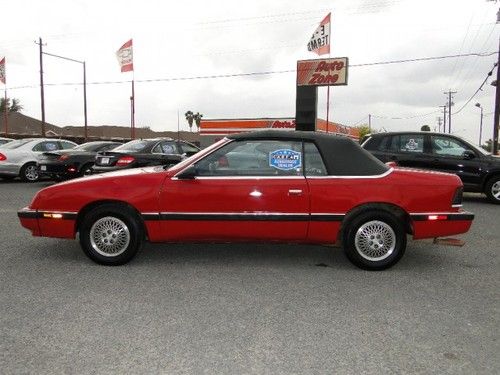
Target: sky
<point>176,42</point>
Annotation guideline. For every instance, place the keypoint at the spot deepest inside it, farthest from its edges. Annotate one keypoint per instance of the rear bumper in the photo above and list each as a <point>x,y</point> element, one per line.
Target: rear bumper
<point>59,169</point>
<point>98,169</point>
<point>9,169</point>
<point>440,224</point>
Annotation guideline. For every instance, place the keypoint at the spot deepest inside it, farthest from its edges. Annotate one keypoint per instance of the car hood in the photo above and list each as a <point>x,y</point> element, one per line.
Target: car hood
<point>121,174</point>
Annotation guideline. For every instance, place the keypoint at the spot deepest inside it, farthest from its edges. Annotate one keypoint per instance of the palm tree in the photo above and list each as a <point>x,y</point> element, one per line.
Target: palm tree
<point>189,117</point>
<point>14,107</point>
<point>197,119</point>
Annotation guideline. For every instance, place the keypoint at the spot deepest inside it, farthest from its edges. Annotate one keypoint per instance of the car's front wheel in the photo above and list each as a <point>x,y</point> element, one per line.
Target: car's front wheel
<point>111,234</point>
<point>374,240</point>
<point>492,189</point>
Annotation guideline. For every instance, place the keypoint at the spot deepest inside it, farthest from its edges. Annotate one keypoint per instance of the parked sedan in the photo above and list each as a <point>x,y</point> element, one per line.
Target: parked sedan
<point>144,152</point>
<point>4,140</point>
<point>19,158</point>
<point>478,170</point>
<point>272,186</point>
<point>76,162</point>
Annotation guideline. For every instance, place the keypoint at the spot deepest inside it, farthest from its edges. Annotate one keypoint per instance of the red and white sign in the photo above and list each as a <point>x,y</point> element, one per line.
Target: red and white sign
<point>232,126</point>
<point>322,72</point>
<point>3,78</point>
<point>125,57</point>
<point>320,40</point>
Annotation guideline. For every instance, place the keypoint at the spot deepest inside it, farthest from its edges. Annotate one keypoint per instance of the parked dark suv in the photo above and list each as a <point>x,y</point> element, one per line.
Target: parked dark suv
<point>479,170</point>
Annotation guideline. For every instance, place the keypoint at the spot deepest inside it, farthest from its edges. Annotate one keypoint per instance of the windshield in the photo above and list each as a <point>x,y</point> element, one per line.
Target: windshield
<point>203,152</point>
<point>133,146</point>
<point>15,144</point>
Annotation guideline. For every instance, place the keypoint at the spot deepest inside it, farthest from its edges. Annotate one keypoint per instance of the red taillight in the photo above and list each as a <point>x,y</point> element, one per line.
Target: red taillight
<point>125,160</point>
<point>2,157</point>
<point>63,157</point>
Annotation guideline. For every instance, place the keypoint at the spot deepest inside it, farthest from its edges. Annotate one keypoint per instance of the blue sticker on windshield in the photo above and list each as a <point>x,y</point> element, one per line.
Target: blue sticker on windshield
<point>285,159</point>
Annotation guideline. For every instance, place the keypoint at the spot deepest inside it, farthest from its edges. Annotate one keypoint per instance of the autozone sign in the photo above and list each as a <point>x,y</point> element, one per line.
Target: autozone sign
<point>322,72</point>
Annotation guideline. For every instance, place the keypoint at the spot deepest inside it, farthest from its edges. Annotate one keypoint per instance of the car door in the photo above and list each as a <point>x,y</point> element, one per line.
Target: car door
<point>410,150</point>
<point>247,190</point>
<point>454,156</point>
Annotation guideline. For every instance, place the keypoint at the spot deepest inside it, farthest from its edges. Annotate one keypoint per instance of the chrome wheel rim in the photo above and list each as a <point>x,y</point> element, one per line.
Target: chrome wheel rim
<point>495,190</point>
<point>109,236</point>
<point>31,173</point>
<point>375,240</point>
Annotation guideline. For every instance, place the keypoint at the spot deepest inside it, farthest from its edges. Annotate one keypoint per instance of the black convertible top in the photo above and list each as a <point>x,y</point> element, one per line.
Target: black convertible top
<point>342,156</point>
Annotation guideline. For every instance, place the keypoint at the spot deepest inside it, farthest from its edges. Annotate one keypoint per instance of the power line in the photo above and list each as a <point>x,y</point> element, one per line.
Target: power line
<point>407,117</point>
<point>250,74</point>
<point>479,89</point>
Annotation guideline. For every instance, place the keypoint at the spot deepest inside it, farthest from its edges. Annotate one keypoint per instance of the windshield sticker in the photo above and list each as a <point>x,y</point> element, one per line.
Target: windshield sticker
<point>285,160</point>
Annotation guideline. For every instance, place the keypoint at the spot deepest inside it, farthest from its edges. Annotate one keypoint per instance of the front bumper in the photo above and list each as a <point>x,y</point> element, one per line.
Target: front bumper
<point>48,223</point>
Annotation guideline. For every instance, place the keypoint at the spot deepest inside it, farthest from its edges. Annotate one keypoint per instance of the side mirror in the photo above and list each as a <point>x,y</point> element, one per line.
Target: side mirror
<point>188,174</point>
<point>468,154</point>
<point>391,164</point>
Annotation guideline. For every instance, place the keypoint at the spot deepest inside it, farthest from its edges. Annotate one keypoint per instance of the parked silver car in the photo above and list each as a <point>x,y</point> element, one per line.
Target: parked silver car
<point>4,140</point>
<point>19,158</point>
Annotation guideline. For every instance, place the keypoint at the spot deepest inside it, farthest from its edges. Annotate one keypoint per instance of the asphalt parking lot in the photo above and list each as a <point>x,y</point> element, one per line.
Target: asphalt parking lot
<point>225,308</point>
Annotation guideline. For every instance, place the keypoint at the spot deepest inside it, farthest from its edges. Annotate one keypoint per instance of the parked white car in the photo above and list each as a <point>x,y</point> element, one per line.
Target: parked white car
<point>4,140</point>
<point>19,158</point>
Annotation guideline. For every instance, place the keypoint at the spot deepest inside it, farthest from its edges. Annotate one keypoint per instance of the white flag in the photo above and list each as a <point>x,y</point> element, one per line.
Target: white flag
<point>2,71</point>
<point>320,40</point>
<point>125,57</point>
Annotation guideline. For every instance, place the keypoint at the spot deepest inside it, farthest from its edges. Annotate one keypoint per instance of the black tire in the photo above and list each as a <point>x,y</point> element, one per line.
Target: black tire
<point>29,172</point>
<point>492,188</point>
<point>85,170</point>
<point>380,243</point>
<point>114,222</point>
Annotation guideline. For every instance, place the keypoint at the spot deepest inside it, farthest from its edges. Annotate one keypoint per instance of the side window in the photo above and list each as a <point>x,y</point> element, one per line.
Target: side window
<point>66,145</point>
<point>446,146</point>
<point>188,149</point>
<point>313,162</point>
<point>254,158</point>
<point>46,146</point>
<point>384,144</point>
<point>166,147</point>
<point>413,143</point>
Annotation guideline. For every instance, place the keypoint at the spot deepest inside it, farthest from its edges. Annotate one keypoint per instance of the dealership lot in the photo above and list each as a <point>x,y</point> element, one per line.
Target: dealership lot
<point>247,308</point>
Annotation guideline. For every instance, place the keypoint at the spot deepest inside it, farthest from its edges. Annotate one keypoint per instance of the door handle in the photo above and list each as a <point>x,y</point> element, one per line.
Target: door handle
<point>295,192</point>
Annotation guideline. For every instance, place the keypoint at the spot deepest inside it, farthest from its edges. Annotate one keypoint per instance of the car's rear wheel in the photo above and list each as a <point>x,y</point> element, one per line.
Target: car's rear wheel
<point>86,169</point>
<point>374,240</point>
<point>29,173</point>
<point>492,189</point>
<point>111,234</point>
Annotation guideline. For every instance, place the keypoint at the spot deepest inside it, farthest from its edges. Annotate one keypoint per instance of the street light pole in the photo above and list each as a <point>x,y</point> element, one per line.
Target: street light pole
<point>84,88</point>
<point>480,123</point>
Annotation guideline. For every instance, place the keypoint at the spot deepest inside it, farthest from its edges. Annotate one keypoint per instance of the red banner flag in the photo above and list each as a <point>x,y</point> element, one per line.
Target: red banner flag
<point>125,57</point>
<point>320,40</point>
<point>3,78</point>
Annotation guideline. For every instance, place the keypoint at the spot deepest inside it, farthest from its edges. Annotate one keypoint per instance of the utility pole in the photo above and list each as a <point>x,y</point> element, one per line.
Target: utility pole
<point>370,123</point>
<point>444,117</point>
<point>42,96</point>
<point>449,93</point>
<point>439,124</point>
<point>497,107</point>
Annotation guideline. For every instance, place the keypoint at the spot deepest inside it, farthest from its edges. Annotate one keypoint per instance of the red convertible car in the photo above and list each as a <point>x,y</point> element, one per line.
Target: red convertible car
<point>294,187</point>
